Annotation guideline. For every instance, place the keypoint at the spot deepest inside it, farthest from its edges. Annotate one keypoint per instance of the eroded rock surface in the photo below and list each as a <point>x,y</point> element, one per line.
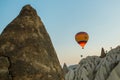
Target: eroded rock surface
<point>27,44</point>
<point>97,68</point>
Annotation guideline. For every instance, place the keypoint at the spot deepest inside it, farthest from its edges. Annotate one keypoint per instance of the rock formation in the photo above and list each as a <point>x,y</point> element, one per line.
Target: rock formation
<point>102,53</point>
<point>26,51</point>
<point>4,65</point>
<point>115,73</point>
<point>96,68</point>
<point>65,68</point>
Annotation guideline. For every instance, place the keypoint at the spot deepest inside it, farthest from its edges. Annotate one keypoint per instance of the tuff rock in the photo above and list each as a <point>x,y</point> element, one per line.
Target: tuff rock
<point>97,68</point>
<point>26,51</point>
<point>65,68</point>
<point>102,53</point>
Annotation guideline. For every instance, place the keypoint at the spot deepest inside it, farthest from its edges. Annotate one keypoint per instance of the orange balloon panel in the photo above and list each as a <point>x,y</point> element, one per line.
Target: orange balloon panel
<point>81,38</point>
<point>82,44</point>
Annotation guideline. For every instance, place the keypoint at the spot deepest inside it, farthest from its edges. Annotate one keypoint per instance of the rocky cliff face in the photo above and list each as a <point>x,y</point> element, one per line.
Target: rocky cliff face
<point>97,68</point>
<point>26,51</point>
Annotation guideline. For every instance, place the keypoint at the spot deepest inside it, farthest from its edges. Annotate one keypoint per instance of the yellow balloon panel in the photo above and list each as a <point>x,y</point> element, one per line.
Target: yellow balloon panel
<point>82,36</point>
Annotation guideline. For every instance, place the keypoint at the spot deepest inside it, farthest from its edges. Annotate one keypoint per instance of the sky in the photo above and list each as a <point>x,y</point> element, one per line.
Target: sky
<point>64,18</point>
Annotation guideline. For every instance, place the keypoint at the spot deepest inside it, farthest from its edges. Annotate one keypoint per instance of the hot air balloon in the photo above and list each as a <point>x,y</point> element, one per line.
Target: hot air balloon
<point>81,38</point>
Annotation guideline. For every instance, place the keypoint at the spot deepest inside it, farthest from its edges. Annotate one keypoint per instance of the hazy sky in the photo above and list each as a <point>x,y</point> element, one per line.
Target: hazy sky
<point>64,18</point>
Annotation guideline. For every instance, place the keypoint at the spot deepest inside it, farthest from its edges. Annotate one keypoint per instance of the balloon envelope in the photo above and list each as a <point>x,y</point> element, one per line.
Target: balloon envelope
<point>81,38</point>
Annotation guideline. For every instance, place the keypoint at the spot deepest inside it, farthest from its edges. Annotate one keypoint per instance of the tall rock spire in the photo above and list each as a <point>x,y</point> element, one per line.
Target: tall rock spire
<point>65,68</point>
<point>102,53</point>
<point>27,44</point>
